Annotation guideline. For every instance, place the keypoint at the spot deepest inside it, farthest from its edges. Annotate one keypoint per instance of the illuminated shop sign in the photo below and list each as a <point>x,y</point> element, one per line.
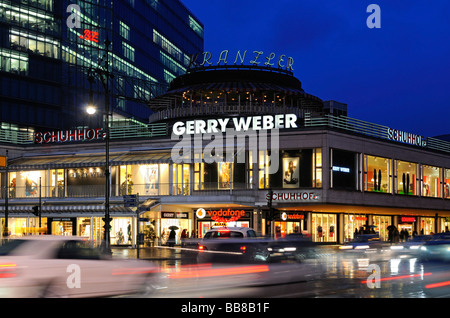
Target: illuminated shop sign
<point>293,196</point>
<point>341,169</point>
<point>408,219</point>
<point>292,216</point>
<point>174,215</point>
<point>68,135</point>
<point>221,215</point>
<point>89,35</point>
<point>354,218</point>
<point>264,122</point>
<point>254,58</point>
<point>405,137</point>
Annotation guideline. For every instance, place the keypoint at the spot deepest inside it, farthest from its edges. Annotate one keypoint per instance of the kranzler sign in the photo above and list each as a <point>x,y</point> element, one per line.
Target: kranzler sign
<point>244,57</point>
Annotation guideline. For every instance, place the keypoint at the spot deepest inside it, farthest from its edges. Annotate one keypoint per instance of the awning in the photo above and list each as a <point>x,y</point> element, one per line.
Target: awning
<point>47,210</point>
<point>78,161</point>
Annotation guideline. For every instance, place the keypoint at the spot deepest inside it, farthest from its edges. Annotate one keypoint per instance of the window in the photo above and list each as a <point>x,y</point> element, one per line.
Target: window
<point>128,51</point>
<point>317,168</point>
<point>13,62</point>
<point>196,26</point>
<point>263,167</point>
<point>377,174</point>
<point>431,184</point>
<point>447,184</point>
<point>124,31</point>
<point>344,170</point>
<point>181,179</point>
<point>406,177</point>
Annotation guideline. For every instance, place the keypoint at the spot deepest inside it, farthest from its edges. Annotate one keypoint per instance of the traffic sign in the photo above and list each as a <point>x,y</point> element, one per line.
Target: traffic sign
<point>131,200</point>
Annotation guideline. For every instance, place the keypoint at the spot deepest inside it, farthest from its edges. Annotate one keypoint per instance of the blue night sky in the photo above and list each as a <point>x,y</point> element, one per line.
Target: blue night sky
<point>397,75</point>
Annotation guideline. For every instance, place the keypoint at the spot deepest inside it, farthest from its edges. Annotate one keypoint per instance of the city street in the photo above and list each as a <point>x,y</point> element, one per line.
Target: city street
<point>341,275</point>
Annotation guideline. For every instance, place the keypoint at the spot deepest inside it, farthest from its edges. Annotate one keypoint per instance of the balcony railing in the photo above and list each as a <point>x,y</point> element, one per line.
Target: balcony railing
<point>151,190</point>
<point>368,129</point>
<point>220,109</point>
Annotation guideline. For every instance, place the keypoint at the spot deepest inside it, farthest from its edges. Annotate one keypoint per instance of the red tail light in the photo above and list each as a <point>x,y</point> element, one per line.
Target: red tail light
<point>8,270</point>
<point>243,249</point>
<point>201,247</point>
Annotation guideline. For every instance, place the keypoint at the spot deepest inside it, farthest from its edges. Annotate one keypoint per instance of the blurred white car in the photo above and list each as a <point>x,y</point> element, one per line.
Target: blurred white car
<point>67,266</point>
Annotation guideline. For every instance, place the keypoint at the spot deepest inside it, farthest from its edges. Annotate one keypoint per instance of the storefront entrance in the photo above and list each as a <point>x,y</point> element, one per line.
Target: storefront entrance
<point>289,223</point>
<point>176,221</point>
<point>62,226</point>
<point>354,224</point>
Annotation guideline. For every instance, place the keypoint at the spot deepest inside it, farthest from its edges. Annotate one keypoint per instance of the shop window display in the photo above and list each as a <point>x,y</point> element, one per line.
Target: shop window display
<point>377,174</point>
<point>447,184</point>
<point>121,231</point>
<point>324,227</point>
<point>406,178</point>
<point>431,181</point>
<point>298,168</point>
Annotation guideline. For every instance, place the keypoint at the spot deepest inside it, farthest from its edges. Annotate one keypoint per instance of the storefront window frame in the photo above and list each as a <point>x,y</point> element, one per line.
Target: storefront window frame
<point>428,191</point>
<point>366,170</point>
<point>398,179</point>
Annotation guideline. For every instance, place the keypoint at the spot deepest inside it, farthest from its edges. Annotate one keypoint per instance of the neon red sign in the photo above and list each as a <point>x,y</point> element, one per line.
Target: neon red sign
<point>68,135</point>
<point>90,36</point>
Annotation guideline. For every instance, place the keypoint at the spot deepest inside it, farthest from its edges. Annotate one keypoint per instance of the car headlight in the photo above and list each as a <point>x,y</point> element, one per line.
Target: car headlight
<point>423,248</point>
<point>362,247</point>
<point>397,247</point>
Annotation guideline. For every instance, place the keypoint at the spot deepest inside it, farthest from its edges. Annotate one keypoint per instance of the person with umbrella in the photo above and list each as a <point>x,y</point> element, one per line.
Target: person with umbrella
<point>172,235</point>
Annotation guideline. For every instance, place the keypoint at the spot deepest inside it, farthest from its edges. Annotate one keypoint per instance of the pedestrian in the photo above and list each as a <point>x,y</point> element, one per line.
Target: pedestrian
<point>402,235</point>
<point>172,236</point>
<point>396,235</point>
<point>390,229</point>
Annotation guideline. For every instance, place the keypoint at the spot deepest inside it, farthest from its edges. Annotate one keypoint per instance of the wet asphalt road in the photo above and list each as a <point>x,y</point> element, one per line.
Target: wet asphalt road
<point>337,274</point>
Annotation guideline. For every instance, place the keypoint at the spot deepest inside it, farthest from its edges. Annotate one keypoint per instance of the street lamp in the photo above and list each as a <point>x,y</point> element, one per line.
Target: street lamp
<point>103,72</point>
<point>91,110</point>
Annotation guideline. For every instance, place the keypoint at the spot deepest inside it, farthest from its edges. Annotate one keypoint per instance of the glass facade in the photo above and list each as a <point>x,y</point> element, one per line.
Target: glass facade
<point>48,48</point>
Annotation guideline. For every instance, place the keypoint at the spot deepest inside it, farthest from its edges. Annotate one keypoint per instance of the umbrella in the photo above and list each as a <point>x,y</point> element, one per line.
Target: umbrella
<point>174,227</point>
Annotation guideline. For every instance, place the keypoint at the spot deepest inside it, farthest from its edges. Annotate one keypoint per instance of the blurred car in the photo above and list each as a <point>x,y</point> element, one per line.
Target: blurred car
<point>232,244</point>
<point>67,266</point>
<point>437,248</point>
<point>365,243</point>
<point>413,245</point>
<point>293,247</point>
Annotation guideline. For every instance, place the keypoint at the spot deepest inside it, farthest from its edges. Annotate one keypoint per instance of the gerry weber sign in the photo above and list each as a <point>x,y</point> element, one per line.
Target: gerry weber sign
<point>254,58</point>
<point>255,123</point>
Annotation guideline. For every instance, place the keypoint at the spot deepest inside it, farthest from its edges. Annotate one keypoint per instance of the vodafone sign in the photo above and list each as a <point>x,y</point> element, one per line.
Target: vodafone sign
<point>221,215</point>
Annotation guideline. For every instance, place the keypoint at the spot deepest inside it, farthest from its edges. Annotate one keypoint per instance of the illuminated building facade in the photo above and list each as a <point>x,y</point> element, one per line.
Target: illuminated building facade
<point>325,174</point>
<point>49,47</point>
